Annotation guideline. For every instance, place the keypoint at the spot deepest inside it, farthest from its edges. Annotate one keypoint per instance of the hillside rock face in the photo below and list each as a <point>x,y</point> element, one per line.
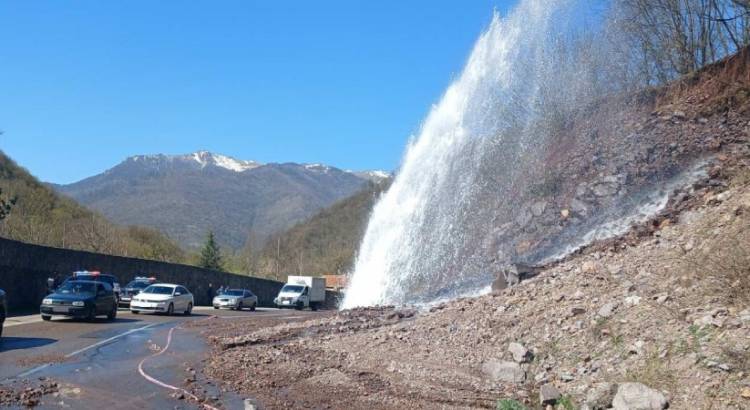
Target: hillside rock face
<point>685,343</point>
<point>656,316</point>
<point>188,195</point>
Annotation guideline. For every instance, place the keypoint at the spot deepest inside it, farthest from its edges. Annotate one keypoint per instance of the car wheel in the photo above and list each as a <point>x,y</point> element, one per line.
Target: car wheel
<point>252,308</point>
<point>239,306</point>
<point>135,312</point>
<point>314,307</point>
<point>170,310</point>
<point>299,306</point>
<point>113,314</point>
<point>216,307</point>
<point>189,309</point>
<point>46,318</point>
<point>92,314</point>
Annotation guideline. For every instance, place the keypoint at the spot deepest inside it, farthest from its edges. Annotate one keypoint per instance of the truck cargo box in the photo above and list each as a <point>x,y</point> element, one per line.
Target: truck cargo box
<point>317,286</point>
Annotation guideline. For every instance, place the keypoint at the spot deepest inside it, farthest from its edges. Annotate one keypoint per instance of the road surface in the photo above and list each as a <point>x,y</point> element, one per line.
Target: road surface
<point>133,362</point>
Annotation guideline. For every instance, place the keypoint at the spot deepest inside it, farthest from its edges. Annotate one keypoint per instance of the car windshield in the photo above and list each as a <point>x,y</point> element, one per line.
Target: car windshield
<point>158,290</point>
<point>76,287</point>
<point>95,278</point>
<point>233,292</point>
<point>292,288</point>
<point>137,284</point>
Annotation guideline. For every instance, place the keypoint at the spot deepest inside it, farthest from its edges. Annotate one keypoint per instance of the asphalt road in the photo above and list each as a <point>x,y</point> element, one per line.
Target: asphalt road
<point>117,365</point>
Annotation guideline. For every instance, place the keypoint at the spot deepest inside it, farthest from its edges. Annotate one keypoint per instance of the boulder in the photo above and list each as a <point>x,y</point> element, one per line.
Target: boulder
<point>523,218</point>
<point>504,371</point>
<point>520,353</point>
<point>549,395</point>
<point>637,396</point>
<point>605,189</point>
<point>537,208</point>
<point>579,207</point>
<point>607,310</point>
<point>600,396</point>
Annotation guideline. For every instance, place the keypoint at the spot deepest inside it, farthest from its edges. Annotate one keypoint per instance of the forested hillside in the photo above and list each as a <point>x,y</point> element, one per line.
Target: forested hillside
<point>40,216</point>
<point>326,243</point>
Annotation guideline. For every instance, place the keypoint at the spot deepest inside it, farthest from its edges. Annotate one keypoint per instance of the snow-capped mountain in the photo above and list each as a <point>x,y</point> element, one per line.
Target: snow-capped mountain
<point>188,195</point>
<point>374,176</point>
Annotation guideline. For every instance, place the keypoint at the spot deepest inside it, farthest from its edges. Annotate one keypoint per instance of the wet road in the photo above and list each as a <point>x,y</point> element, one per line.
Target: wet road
<point>97,364</point>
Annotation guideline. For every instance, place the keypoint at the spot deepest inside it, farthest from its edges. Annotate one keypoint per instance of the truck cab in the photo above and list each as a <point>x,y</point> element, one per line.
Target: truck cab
<point>300,292</point>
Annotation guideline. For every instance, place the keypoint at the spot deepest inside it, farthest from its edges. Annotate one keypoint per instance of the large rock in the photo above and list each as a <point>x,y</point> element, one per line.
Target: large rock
<point>549,395</point>
<point>537,208</point>
<point>607,310</point>
<point>637,396</point>
<point>504,371</point>
<point>600,396</point>
<point>579,207</point>
<point>520,353</point>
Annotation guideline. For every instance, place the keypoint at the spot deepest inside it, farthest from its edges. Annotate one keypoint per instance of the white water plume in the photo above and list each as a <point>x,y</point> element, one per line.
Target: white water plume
<point>497,160</point>
<point>418,232</point>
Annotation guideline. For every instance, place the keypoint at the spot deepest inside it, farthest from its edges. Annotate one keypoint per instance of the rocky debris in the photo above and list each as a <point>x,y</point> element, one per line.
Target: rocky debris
<point>453,353</point>
<point>519,352</point>
<point>26,393</point>
<point>504,371</point>
<point>636,396</point>
<point>549,395</point>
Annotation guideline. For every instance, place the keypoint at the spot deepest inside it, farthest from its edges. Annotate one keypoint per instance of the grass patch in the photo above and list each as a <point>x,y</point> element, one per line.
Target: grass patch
<point>567,403</point>
<point>722,262</point>
<point>654,373</point>
<point>510,404</point>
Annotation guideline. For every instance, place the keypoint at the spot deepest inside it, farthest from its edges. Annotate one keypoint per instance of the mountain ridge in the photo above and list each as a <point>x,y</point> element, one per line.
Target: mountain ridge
<point>188,195</point>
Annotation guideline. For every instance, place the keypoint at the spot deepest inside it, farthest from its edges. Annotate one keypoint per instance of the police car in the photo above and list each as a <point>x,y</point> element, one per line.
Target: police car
<point>96,276</point>
<point>82,299</point>
<point>133,288</point>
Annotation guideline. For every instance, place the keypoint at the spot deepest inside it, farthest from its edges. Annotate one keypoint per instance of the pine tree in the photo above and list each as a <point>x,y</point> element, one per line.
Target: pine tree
<point>211,254</point>
<point>6,205</point>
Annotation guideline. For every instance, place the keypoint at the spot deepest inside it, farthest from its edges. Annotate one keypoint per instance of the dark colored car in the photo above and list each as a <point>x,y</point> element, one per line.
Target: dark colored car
<point>81,299</point>
<point>97,277</point>
<point>3,310</point>
<point>133,288</point>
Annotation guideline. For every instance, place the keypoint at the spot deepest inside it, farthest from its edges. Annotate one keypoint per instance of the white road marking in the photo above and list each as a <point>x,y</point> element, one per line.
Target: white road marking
<point>166,385</point>
<point>79,351</point>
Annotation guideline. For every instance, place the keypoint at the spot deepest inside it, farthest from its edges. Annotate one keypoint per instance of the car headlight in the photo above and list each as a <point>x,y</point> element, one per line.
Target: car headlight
<point>47,301</point>
<point>78,303</point>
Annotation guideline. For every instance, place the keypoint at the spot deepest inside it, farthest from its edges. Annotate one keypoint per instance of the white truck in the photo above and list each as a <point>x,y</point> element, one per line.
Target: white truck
<point>301,292</point>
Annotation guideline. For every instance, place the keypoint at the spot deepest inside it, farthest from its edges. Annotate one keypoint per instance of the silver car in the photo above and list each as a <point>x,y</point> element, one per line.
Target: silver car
<point>236,299</point>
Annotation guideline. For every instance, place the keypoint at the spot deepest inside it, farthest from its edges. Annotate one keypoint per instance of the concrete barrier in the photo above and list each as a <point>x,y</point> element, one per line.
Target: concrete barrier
<point>24,269</point>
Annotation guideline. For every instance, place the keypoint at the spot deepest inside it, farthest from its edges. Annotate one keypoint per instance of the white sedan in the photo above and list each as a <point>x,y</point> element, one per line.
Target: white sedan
<point>164,298</point>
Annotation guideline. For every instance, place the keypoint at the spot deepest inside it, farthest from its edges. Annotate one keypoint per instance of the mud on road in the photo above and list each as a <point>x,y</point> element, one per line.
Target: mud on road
<point>123,364</point>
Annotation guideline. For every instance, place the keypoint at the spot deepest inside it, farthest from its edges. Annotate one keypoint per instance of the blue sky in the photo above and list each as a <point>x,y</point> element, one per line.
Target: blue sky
<point>87,83</point>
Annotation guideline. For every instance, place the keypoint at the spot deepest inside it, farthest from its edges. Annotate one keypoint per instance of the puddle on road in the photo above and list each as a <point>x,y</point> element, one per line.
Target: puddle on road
<point>107,375</point>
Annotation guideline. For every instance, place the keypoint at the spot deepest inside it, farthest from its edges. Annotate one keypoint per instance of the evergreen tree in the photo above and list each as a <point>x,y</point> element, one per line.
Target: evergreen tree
<point>211,254</point>
<point>5,206</point>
